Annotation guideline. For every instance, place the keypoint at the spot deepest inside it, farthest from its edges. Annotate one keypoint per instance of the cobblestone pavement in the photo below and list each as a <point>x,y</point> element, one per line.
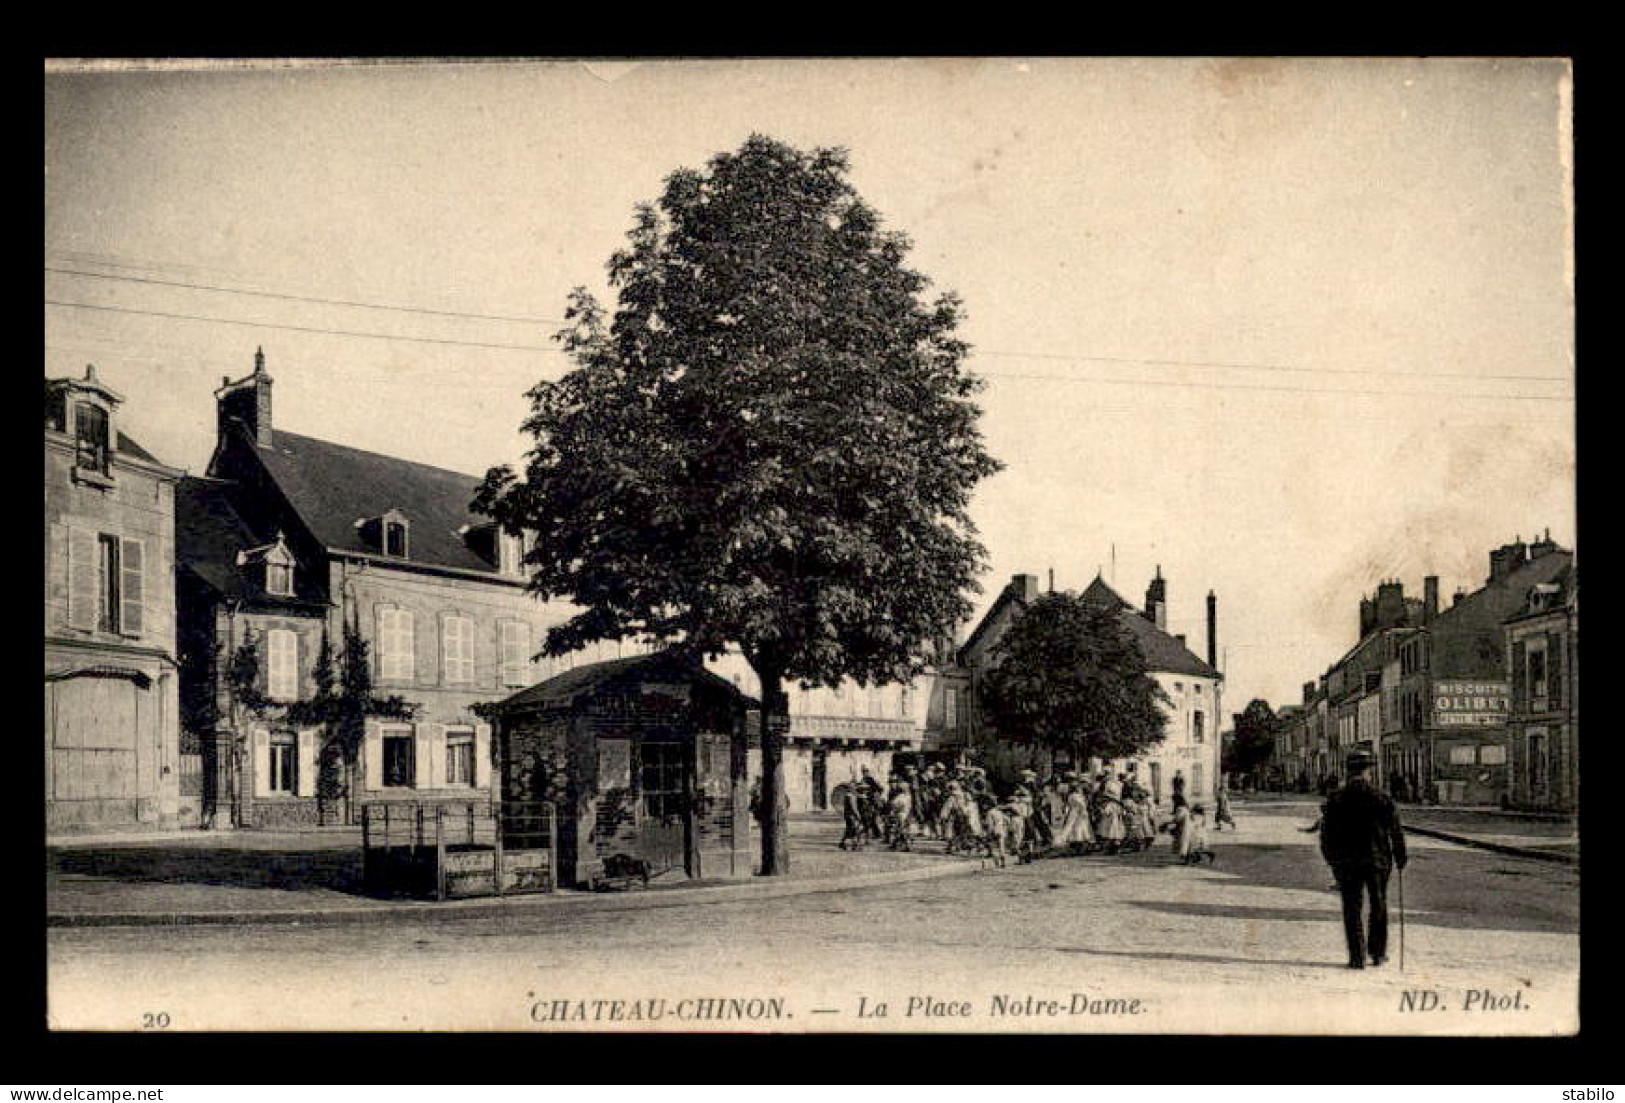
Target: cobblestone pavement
<point>1128,944</point>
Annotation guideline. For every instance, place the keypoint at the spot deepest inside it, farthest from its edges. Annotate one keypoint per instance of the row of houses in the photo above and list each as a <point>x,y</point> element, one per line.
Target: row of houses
<point>186,618</point>
<point>1191,687</point>
<point>192,620</point>
<point>1476,703</point>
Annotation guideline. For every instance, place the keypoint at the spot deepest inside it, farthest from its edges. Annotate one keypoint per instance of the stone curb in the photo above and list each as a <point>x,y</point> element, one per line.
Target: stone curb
<point>538,904</point>
<point>1499,848</point>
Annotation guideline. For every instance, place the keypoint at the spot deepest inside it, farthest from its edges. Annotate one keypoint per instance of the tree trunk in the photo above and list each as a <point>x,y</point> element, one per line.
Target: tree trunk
<point>775,802</point>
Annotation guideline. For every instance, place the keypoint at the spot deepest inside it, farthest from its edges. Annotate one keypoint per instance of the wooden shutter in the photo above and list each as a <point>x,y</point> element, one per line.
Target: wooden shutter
<point>261,739</point>
<point>372,756</point>
<point>1520,679</point>
<point>132,593</point>
<point>309,744</point>
<point>1554,670</point>
<point>424,766</point>
<point>482,756</point>
<point>82,582</point>
<point>430,755</point>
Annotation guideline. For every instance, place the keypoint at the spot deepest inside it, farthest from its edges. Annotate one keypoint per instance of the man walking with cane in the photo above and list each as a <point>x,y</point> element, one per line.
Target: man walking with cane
<point>1362,840</point>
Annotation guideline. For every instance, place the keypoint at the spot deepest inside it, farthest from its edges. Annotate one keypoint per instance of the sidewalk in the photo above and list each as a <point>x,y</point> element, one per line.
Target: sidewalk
<point>315,876</point>
<point>1545,837</point>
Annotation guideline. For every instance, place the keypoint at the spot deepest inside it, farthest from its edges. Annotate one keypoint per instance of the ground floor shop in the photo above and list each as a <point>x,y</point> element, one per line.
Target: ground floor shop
<point>112,740</point>
<point>1460,766</point>
<point>1545,766</point>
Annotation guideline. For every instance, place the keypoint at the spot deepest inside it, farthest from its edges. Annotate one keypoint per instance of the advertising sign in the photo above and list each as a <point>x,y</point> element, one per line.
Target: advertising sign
<point>1470,704</point>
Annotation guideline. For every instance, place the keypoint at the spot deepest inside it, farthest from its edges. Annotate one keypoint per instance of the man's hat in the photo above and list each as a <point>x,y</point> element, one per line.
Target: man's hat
<point>1360,760</point>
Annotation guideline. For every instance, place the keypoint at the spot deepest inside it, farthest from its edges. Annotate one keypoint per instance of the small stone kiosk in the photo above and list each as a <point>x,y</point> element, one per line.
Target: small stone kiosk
<point>639,759</point>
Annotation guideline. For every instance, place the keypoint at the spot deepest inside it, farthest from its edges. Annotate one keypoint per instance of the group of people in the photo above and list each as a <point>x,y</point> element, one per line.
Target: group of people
<point>1066,814</point>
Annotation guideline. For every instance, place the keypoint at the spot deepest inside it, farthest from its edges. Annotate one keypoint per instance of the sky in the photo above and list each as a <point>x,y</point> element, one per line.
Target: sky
<point>1282,328</point>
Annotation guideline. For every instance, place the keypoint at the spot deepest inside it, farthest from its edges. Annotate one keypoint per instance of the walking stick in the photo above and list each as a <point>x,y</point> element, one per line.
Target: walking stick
<point>1401,919</point>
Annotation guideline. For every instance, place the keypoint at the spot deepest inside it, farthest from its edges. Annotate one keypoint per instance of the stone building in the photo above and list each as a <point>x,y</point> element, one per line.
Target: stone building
<point>837,733</point>
<point>290,539</point>
<point>1543,668</point>
<point>1426,688</point>
<point>1191,748</point>
<point>112,745</point>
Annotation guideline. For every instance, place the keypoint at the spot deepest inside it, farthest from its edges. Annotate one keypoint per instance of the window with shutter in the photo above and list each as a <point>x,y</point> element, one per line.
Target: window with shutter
<point>1520,686</point>
<point>396,645</point>
<point>1554,670</point>
<point>83,567</point>
<point>132,593</point>
<point>282,665</point>
<point>515,653</point>
<point>457,647</point>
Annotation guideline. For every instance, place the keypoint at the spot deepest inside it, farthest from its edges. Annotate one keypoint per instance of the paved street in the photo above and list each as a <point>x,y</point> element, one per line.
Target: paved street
<point>1124,944</point>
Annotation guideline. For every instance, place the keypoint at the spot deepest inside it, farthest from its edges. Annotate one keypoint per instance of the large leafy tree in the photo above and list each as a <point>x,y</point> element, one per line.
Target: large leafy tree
<point>769,445</point>
<point>1252,741</point>
<point>1066,674</point>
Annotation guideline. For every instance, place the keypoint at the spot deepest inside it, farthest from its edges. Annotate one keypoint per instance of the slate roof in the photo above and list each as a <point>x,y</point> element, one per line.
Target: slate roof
<point>209,534</point>
<point>1162,651</point>
<point>332,486</point>
<point>131,448</point>
<point>1495,601</point>
<point>561,690</point>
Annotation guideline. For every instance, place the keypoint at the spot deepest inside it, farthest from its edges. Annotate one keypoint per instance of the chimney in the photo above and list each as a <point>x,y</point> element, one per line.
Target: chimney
<point>1156,600</point>
<point>1180,636</point>
<point>1544,546</point>
<point>1368,617</point>
<point>1508,558</point>
<point>1390,607</point>
<point>1025,586</point>
<point>247,402</point>
<point>1430,598</point>
<point>1460,593</point>
<point>1212,630</point>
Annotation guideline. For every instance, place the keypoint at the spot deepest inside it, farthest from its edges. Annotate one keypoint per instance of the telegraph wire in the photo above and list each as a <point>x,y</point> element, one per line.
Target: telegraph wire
<point>1079,358</point>
<point>1234,366</point>
<point>300,329</point>
<point>1385,393</point>
<point>307,298</point>
<point>1185,384</point>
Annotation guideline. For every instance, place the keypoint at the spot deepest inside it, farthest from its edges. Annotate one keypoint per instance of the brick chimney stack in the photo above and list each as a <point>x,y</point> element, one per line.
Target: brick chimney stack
<point>1025,586</point>
<point>1430,598</point>
<point>1212,630</point>
<point>1508,558</point>
<point>247,402</point>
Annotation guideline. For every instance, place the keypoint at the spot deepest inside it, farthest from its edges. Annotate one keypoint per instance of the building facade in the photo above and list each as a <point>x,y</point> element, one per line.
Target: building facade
<point>1426,689</point>
<point>836,733</point>
<point>289,542</point>
<point>112,744</point>
<point>1191,749</point>
<point>1543,651</point>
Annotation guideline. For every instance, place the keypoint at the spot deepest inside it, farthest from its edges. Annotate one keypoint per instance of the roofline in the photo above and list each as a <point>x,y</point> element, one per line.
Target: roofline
<point>420,567</point>
<point>158,468</point>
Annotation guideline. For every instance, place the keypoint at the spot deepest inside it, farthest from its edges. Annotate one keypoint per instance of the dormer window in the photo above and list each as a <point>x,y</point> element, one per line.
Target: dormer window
<point>271,565</point>
<point>510,554</point>
<point>91,444</point>
<point>389,534</point>
<point>279,578</point>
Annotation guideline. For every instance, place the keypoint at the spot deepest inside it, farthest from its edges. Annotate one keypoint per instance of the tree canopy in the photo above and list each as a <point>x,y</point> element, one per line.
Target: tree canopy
<point>1066,673</point>
<point>1252,742</point>
<point>769,445</point>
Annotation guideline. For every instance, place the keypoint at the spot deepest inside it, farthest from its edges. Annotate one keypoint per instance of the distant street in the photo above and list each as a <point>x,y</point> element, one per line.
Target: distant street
<point>1125,944</point>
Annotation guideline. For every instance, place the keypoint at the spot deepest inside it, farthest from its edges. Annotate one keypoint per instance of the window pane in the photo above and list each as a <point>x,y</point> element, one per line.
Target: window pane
<point>398,764</point>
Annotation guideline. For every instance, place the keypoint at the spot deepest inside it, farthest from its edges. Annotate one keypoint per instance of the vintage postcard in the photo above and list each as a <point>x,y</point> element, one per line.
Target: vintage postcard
<point>811,545</point>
